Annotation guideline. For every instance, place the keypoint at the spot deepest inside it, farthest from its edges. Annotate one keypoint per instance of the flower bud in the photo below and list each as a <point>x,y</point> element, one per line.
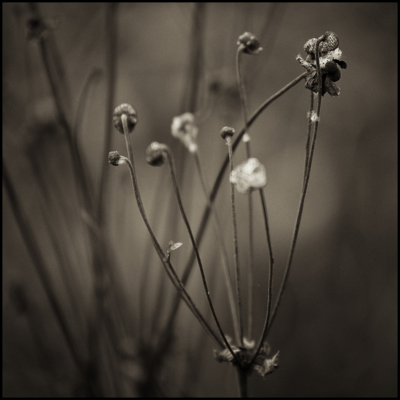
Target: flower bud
<point>250,43</point>
<point>131,116</point>
<point>227,131</point>
<point>155,155</point>
<point>114,158</point>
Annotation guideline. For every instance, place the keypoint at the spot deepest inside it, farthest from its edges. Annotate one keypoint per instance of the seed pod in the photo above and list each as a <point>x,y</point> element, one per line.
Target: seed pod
<point>227,131</point>
<point>331,41</point>
<point>251,44</point>
<point>131,115</point>
<point>114,158</point>
<point>155,155</point>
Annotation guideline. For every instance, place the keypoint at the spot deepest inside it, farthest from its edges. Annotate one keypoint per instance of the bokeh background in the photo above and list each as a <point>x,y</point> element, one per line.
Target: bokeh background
<point>336,329</point>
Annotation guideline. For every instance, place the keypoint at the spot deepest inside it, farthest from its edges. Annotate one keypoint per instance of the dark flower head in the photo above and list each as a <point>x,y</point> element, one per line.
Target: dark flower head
<point>155,154</point>
<point>250,44</point>
<point>227,131</point>
<point>131,116</point>
<point>330,60</point>
<point>114,158</point>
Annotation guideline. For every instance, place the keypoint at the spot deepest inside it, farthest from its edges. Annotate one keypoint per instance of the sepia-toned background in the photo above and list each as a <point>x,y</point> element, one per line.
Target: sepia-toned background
<point>336,329</point>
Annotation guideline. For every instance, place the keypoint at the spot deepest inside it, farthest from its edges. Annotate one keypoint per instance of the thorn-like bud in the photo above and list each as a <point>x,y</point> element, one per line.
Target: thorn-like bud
<point>131,117</point>
<point>155,155</point>
<point>226,131</point>
<point>114,158</point>
<point>250,44</point>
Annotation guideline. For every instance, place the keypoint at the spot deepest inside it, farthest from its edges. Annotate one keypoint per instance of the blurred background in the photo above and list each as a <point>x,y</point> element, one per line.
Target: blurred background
<point>85,299</point>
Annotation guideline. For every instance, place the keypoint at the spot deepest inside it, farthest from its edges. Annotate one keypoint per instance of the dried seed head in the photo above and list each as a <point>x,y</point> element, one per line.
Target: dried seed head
<point>250,43</point>
<point>114,158</point>
<point>309,47</point>
<point>155,155</point>
<point>331,41</point>
<point>131,116</point>
<point>226,131</point>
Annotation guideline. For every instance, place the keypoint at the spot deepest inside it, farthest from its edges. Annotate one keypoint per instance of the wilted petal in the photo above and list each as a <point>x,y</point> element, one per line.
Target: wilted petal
<point>184,128</point>
<point>249,175</point>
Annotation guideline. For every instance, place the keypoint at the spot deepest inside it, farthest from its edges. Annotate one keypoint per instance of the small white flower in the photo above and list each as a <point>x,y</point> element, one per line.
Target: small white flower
<point>249,175</point>
<point>184,129</point>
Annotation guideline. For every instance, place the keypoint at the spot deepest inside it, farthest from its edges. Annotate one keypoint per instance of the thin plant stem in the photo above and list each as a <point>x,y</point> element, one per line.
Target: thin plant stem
<point>242,90</point>
<point>218,180</point>
<point>164,259</point>
<point>304,189</point>
<point>242,377</point>
<point>127,136</point>
<point>309,127</point>
<point>243,100</point>
<point>111,63</point>
<point>217,183</point>
<point>235,244</point>
<point>170,159</point>
<point>219,235</point>
<point>39,263</point>
<point>270,277</point>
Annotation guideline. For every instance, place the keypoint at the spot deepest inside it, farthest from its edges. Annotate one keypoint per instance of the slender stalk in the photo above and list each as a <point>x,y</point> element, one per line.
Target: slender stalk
<point>127,137</point>
<point>219,235</point>
<point>242,377</point>
<point>235,244</point>
<point>217,184</point>
<point>111,63</point>
<point>40,265</point>
<point>304,189</point>
<point>163,257</point>
<point>170,159</point>
<point>242,90</point>
<point>218,180</point>
<point>270,278</point>
<point>308,135</point>
<point>243,99</point>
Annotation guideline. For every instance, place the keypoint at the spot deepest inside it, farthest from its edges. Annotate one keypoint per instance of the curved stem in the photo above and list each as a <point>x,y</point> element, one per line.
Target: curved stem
<point>218,180</point>
<point>182,211</point>
<point>163,257</point>
<point>270,277</point>
<point>304,190</point>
